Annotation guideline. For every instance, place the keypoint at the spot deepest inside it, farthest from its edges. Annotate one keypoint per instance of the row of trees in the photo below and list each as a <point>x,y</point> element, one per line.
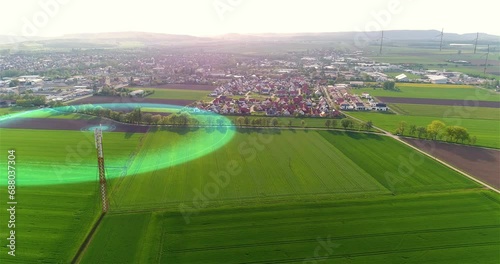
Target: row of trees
<point>136,116</point>
<point>390,85</point>
<point>437,130</point>
<point>184,119</point>
<point>122,92</point>
<point>26,100</point>
<point>349,123</point>
<point>346,123</point>
<point>258,121</point>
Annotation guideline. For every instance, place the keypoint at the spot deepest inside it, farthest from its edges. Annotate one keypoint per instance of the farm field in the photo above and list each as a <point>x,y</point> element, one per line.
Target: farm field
<point>57,189</point>
<point>184,87</point>
<point>176,94</point>
<point>286,163</point>
<point>249,162</point>
<point>4,111</point>
<point>424,228</point>
<point>480,162</point>
<point>129,100</point>
<point>440,102</point>
<point>421,91</point>
<point>440,111</point>
<point>486,130</point>
<point>62,156</point>
<point>11,110</point>
<point>52,221</point>
<point>280,190</point>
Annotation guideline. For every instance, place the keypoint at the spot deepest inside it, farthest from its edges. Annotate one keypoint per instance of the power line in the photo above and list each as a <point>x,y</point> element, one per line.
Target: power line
<point>486,60</point>
<point>381,43</point>
<point>475,43</point>
<point>102,172</point>
<point>441,43</point>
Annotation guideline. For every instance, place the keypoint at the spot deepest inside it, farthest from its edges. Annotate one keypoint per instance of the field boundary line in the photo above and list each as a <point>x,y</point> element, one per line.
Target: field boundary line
<point>88,239</point>
<point>358,236</point>
<point>129,162</point>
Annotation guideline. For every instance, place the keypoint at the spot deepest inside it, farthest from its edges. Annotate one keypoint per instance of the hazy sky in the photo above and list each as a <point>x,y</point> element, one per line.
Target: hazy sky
<point>213,17</point>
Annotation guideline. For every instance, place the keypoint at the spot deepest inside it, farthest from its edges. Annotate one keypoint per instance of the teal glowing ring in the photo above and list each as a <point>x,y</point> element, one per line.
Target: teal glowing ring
<point>158,155</point>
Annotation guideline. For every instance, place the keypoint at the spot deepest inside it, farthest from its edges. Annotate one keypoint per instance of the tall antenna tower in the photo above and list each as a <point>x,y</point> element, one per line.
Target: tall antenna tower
<point>381,43</point>
<point>486,60</point>
<point>100,164</point>
<point>475,42</point>
<point>441,43</point>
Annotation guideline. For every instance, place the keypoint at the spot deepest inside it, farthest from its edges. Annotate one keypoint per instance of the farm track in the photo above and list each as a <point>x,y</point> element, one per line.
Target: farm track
<point>159,206</point>
<point>259,199</point>
<point>380,252</point>
<point>87,240</point>
<point>294,223</point>
<point>338,238</point>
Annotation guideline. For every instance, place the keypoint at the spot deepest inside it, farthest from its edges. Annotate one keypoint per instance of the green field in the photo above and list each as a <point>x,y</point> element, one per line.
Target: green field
<point>266,196</point>
<point>55,216</point>
<point>261,174</point>
<point>321,166</point>
<point>296,188</point>
<point>51,221</point>
<point>430,228</point>
<point>433,92</point>
<point>61,156</point>
<point>440,111</point>
<point>176,94</point>
<point>433,85</point>
<point>486,130</point>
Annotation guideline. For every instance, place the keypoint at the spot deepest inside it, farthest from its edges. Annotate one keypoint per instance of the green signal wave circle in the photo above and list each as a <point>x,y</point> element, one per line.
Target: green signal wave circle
<point>73,157</point>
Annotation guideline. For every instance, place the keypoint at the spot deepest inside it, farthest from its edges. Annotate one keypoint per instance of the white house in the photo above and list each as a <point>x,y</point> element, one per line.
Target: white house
<point>345,106</point>
<point>356,83</point>
<point>137,92</point>
<point>438,79</point>
<point>379,107</point>
<point>402,78</point>
<point>360,106</point>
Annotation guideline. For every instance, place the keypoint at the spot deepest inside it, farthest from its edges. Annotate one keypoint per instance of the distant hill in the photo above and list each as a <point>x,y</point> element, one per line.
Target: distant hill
<point>132,36</point>
<point>116,39</point>
<point>7,39</point>
<point>401,35</point>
